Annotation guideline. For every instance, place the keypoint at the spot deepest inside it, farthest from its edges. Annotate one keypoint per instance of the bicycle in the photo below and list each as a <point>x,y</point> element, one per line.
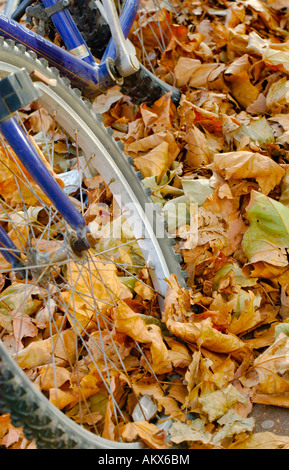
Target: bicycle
<point>118,64</point>
<point>27,249</point>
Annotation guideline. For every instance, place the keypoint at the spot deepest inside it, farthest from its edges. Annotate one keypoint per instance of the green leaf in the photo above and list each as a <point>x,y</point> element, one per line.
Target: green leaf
<point>177,212</point>
<point>163,188</point>
<point>95,403</point>
<point>268,234</point>
<point>282,328</point>
<point>239,278</point>
<point>129,281</point>
<point>258,130</point>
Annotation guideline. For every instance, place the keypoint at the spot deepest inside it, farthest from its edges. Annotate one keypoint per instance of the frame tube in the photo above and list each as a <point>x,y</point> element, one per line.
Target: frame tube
<point>28,156</point>
<point>92,80</point>
<point>9,251</point>
<point>70,34</point>
<point>126,20</point>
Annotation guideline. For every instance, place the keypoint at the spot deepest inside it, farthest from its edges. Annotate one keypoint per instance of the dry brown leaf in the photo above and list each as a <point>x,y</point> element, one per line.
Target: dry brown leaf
<point>201,332</point>
<point>243,90</point>
<point>145,144</point>
<point>198,153</point>
<point>184,69</point>
<point>40,352</point>
<point>128,322</point>
<point>243,164</point>
<point>178,353</point>
<point>148,432</point>
<point>159,117</point>
<point>193,72</point>
<point>261,440</point>
<point>220,224</point>
<point>155,162</point>
<point>53,376</point>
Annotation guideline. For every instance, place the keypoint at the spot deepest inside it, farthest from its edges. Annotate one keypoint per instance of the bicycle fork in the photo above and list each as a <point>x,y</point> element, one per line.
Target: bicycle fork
<point>17,91</point>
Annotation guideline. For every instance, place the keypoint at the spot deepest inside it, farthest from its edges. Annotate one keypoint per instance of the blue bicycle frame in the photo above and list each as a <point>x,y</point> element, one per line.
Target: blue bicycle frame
<point>81,68</point>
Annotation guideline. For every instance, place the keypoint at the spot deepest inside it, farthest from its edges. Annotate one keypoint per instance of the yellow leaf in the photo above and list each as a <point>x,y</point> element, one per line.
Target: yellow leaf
<point>16,183</point>
<point>224,373</point>
<point>158,348</point>
<point>204,334</point>
<point>280,399</point>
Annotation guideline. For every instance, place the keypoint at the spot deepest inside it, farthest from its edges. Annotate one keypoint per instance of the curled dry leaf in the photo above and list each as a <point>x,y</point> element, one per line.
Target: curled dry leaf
<point>148,432</point>
<point>201,332</point>
<point>245,164</point>
<point>128,322</point>
<point>155,162</point>
<point>39,353</point>
<point>262,440</point>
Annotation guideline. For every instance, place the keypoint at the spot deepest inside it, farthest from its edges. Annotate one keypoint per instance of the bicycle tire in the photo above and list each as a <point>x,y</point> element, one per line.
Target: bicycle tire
<point>47,425</point>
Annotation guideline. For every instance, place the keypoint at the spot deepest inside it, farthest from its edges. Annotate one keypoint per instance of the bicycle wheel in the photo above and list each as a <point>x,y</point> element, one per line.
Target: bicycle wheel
<point>59,322</point>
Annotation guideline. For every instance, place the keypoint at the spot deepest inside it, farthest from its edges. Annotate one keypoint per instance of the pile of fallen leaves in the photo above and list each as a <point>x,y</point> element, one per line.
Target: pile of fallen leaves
<point>222,156</point>
<point>220,348</point>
